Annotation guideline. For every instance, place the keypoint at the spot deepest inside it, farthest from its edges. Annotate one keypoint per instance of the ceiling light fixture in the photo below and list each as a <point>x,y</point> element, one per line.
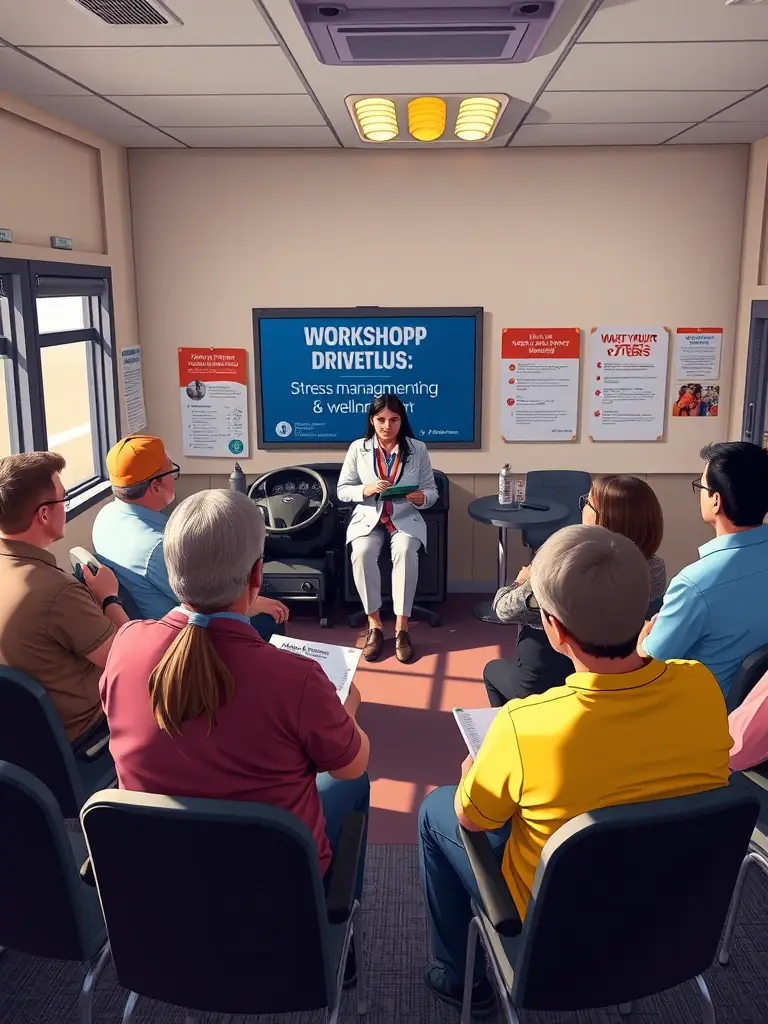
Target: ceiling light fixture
<point>377,118</point>
<point>426,118</point>
<point>476,118</point>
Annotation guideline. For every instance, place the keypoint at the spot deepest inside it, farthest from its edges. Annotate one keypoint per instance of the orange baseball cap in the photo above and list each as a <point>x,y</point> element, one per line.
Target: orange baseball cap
<point>135,459</point>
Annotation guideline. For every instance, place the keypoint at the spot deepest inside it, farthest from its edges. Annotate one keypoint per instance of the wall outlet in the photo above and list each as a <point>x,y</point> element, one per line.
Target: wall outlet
<point>59,242</point>
<point>6,235</point>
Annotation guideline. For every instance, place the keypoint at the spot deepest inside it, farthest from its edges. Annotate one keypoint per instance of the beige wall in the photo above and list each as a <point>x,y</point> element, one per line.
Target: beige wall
<point>537,237</point>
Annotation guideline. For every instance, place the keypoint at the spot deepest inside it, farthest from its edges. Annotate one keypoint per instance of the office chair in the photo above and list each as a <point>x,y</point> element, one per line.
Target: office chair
<point>563,485</point>
<point>627,902</point>
<point>228,912</point>
<point>45,908</point>
<point>32,737</point>
<point>751,671</point>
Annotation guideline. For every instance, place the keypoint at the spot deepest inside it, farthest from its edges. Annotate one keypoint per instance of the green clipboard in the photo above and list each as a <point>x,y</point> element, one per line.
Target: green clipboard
<point>398,491</point>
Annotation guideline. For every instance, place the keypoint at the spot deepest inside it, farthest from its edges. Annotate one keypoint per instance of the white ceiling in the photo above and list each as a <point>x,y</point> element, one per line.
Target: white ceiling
<point>241,73</point>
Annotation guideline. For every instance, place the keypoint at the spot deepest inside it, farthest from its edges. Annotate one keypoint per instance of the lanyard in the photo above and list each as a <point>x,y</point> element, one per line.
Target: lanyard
<point>389,460</point>
<point>216,615</point>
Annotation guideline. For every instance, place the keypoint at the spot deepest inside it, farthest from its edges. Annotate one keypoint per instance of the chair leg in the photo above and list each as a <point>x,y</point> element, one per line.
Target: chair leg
<point>130,1006</point>
<point>477,931</point>
<point>89,983</point>
<point>469,971</point>
<point>706,1001</point>
<point>753,857</point>
<point>357,938</point>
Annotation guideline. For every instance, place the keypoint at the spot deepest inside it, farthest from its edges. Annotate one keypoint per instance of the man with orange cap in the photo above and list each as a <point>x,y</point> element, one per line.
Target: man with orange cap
<point>128,533</point>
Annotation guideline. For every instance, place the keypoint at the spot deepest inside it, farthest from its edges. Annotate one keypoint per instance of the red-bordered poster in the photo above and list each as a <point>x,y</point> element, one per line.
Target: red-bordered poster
<point>627,383</point>
<point>540,383</point>
<point>213,391</point>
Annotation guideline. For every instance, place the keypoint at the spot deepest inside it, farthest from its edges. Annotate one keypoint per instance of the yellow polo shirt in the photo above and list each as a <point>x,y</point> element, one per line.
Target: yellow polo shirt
<point>599,740</point>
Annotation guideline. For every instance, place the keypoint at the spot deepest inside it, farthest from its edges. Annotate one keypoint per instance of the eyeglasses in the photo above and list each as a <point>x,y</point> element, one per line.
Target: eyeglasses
<point>54,501</point>
<point>584,502</point>
<point>697,485</point>
<point>174,472</point>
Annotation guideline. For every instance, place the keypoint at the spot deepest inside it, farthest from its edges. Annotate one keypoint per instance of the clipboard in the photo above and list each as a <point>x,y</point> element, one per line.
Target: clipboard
<point>397,491</point>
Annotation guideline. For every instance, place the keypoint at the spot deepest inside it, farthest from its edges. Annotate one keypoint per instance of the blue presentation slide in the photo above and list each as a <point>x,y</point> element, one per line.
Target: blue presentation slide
<point>319,375</point>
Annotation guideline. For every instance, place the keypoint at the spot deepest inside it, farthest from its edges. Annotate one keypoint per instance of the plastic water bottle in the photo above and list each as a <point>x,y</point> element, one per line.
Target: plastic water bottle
<point>506,482</point>
<point>237,480</point>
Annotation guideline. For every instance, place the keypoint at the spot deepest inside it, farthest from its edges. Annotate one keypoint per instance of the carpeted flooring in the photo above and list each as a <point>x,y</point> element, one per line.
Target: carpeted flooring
<point>414,747</point>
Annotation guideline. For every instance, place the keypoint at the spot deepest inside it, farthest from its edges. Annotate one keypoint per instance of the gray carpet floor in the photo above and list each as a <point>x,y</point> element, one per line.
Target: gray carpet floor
<point>42,992</point>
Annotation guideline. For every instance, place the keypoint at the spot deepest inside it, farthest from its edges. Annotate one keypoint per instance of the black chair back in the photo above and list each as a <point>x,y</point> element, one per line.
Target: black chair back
<point>751,671</point>
<point>32,737</point>
<point>563,485</point>
<point>211,905</point>
<point>629,901</point>
<point>45,909</point>
<point>129,605</point>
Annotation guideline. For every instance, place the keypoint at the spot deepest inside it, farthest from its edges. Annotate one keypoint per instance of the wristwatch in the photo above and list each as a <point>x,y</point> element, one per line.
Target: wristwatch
<point>112,599</point>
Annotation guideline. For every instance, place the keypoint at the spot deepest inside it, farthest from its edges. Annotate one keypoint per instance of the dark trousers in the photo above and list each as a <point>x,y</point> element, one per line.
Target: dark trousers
<point>536,669</point>
<point>266,626</point>
<point>340,797</point>
<point>448,882</point>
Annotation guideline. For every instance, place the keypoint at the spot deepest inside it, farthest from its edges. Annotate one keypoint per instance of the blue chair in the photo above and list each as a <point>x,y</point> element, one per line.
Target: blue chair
<point>627,902</point>
<point>32,737</point>
<point>751,671</point>
<point>45,908</point>
<point>563,485</point>
<point>219,906</point>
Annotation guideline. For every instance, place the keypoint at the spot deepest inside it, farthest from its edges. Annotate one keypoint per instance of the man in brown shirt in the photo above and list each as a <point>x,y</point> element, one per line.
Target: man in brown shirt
<point>52,627</point>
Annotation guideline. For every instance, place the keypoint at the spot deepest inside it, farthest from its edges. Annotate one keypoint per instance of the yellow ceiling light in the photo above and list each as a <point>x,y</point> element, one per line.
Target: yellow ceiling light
<point>377,119</point>
<point>426,118</point>
<point>476,118</point>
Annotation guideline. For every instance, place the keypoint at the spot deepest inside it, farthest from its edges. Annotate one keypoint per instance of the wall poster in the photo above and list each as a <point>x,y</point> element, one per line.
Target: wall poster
<point>540,383</point>
<point>627,382</point>
<point>213,391</point>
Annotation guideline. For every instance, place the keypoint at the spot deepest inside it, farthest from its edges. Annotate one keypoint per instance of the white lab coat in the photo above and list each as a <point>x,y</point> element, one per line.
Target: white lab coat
<point>359,469</point>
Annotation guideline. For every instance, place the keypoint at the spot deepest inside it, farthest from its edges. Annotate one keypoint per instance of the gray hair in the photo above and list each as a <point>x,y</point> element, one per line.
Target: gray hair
<point>212,542</point>
<point>133,493</point>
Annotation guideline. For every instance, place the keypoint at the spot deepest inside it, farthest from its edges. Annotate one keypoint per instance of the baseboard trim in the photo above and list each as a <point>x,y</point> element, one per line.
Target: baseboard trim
<point>472,587</point>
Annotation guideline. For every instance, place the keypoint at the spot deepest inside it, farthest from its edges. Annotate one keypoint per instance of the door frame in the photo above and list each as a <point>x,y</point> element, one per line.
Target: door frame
<point>753,423</point>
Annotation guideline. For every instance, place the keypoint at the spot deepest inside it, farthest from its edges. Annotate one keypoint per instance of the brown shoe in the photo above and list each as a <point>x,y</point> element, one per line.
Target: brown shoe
<point>374,643</point>
<point>403,646</point>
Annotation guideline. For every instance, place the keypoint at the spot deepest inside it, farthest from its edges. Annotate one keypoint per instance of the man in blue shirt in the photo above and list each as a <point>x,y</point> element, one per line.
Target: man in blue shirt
<point>715,609</point>
<point>128,533</point>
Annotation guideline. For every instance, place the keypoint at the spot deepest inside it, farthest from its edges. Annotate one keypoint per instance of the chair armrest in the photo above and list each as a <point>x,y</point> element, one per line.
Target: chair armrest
<point>495,895</point>
<point>86,873</point>
<point>342,874</point>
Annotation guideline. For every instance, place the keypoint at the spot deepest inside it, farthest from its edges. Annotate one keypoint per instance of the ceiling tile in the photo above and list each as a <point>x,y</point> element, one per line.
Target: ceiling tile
<point>224,111</point>
<point>669,20</point>
<point>205,22</point>
<point>591,107</point>
<point>595,134</point>
<point>175,70</point>
<point>671,66</point>
<point>141,138</point>
<point>87,111</point>
<point>754,108</point>
<point>270,138</point>
<point>724,132</point>
<point>23,76</point>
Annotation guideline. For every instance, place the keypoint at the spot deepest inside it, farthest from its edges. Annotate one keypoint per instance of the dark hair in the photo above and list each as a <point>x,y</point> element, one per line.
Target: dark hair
<point>393,404</point>
<point>629,506</point>
<point>26,483</point>
<point>622,650</point>
<point>738,472</point>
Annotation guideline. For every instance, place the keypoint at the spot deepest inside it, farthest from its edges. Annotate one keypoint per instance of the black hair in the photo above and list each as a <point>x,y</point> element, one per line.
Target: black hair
<point>393,404</point>
<point>622,650</point>
<point>738,472</point>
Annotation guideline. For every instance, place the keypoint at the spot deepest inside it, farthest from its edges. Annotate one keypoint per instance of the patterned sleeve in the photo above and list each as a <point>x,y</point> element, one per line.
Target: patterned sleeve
<point>658,577</point>
<point>510,604</point>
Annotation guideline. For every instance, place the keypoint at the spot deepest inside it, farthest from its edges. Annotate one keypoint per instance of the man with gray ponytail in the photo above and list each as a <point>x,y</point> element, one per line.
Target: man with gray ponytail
<point>226,715</point>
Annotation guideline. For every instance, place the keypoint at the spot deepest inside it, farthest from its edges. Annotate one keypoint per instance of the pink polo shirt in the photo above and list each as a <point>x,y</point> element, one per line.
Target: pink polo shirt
<point>748,726</point>
<point>283,725</point>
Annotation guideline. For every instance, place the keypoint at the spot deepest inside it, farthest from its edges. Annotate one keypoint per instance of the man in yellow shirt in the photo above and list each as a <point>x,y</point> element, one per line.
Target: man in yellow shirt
<point>622,729</point>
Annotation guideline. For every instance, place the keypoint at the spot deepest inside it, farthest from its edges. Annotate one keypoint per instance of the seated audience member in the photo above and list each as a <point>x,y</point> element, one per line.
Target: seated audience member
<point>128,532</point>
<point>618,731</point>
<point>53,628</point>
<point>226,715</point>
<point>622,504</point>
<point>714,611</point>
<point>748,725</point>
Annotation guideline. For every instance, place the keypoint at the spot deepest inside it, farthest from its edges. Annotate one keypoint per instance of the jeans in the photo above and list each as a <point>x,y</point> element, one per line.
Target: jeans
<point>266,626</point>
<point>339,797</point>
<point>448,882</point>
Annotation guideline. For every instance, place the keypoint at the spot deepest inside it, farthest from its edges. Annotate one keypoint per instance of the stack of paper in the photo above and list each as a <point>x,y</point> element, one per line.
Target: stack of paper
<point>338,663</point>
<point>474,725</point>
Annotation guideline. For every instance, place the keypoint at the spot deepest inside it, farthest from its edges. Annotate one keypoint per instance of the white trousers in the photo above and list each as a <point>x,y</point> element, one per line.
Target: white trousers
<point>405,569</point>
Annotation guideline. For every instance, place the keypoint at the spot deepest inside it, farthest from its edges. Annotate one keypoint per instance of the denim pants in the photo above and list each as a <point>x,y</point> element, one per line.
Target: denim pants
<point>448,882</point>
<point>266,626</point>
<point>339,797</point>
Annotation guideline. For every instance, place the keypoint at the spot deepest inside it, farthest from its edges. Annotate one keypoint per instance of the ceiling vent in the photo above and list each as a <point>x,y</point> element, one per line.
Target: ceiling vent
<point>128,12</point>
<point>430,32</point>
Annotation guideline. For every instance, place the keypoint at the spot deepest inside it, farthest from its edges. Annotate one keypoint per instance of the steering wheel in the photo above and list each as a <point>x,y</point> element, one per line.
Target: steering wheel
<point>289,513</point>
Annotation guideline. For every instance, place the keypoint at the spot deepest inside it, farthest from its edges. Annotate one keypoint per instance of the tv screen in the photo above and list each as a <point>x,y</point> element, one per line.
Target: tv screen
<point>318,370</point>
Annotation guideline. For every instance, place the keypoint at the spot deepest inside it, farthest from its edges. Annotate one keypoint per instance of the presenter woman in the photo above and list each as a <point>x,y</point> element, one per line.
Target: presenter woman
<point>388,456</point>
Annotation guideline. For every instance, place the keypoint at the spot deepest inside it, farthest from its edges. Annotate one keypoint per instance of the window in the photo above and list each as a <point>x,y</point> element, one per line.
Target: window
<point>58,385</point>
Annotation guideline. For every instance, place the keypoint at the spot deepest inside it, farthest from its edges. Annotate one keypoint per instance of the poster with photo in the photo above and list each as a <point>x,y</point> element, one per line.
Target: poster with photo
<point>540,383</point>
<point>213,391</point>
<point>627,383</point>
<point>695,399</point>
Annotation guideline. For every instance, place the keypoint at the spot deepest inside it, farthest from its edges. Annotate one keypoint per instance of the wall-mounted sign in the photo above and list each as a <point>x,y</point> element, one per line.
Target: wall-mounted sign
<point>697,353</point>
<point>213,391</point>
<point>627,383</point>
<point>133,390</point>
<point>540,383</point>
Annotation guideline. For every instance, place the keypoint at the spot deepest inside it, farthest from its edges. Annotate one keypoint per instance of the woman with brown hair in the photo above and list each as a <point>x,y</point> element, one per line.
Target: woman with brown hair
<point>622,504</point>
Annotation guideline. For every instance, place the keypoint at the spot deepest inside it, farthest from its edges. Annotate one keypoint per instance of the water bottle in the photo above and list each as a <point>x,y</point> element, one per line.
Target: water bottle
<point>506,481</point>
<point>237,480</point>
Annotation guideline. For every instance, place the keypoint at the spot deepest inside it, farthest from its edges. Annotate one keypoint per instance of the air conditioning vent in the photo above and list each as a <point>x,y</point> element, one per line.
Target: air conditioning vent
<point>425,45</point>
<point>128,12</point>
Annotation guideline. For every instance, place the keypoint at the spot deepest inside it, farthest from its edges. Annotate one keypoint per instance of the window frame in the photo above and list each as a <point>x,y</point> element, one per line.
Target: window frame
<point>21,353</point>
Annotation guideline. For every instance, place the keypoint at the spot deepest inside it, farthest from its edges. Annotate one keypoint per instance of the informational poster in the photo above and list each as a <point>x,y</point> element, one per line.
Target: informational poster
<point>319,370</point>
<point>697,353</point>
<point>213,392</point>
<point>695,399</point>
<point>133,390</point>
<point>540,383</point>
<point>627,383</point>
